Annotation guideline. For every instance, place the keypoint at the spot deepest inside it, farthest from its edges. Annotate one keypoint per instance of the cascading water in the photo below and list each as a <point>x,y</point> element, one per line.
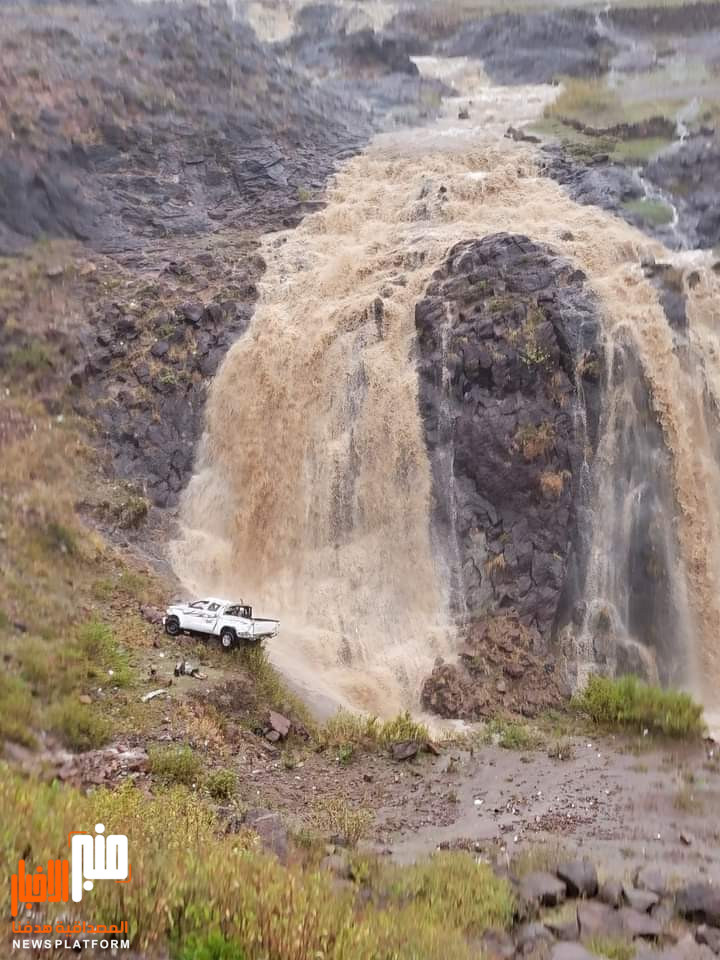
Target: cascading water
<point>312,490</point>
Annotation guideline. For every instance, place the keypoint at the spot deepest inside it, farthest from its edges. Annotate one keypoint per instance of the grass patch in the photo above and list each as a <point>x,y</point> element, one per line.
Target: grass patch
<point>613,948</point>
<point>221,785</point>
<point>175,764</point>
<point>510,734</point>
<point>349,823</point>
<point>639,150</point>
<point>454,888</point>
<point>222,897</point>
<point>80,726</point>
<point>628,703</point>
<point>347,732</point>
<point>654,213</point>
<point>17,711</point>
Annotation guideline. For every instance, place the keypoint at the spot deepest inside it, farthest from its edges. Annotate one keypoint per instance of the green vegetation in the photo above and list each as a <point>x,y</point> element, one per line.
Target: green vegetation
<point>336,817</point>
<point>80,726</point>
<point>222,898</point>
<point>510,734</point>
<point>175,764</point>
<point>631,704</point>
<point>613,948</point>
<point>347,731</point>
<point>652,212</point>
<point>455,889</point>
<point>221,785</point>
<point>33,357</point>
<point>535,441</point>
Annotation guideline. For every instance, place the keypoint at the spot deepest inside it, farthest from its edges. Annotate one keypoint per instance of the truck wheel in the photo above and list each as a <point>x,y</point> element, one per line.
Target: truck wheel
<point>172,626</point>
<point>227,639</point>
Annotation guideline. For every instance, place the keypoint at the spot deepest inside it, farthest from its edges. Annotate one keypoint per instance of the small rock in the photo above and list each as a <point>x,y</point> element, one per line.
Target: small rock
<point>699,902</point>
<point>580,877</point>
<point>650,878</point>
<point>641,900</point>
<point>271,830</point>
<point>405,749</point>
<point>543,889</point>
<point>571,951</point>
<point>638,924</point>
<point>279,723</point>
<point>710,936</point>
<point>611,892</point>
<point>151,614</point>
<point>529,934</point>
<point>497,945</point>
<point>463,113</point>
<point>84,698</point>
<point>273,736</point>
<point>54,270</point>
<point>687,839</point>
<point>597,919</point>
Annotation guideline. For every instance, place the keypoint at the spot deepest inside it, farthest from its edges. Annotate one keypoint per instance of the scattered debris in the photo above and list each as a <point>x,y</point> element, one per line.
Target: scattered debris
<point>154,693</point>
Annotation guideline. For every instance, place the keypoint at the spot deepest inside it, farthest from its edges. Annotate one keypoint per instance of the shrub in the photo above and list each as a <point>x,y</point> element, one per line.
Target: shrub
<point>510,735</point>
<point>348,729</point>
<point>402,727</point>
<point>629,703</point>
<point>16,711</point>
<point>457,890</point>
<point>98,647</point>
<point>175,764</point>
<point>214,946</point>
<point>80,726</point>
<point>59,538</point>
<point>535,441</point>
<point>217,898</point>
<point>335,817</point>
<point>221,784</point>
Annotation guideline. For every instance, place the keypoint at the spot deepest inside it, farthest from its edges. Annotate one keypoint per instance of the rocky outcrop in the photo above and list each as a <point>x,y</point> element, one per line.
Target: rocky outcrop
<point>509,394</point>
<point>496,672</point>
<point>192,134</point>
<point>534,47</point>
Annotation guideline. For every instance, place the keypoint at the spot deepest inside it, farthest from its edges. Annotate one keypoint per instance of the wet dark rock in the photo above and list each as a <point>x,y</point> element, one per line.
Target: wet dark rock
<point>405,750</point>
<point>580,878</point>
<point>533,48</point>
<point>688,174</point>
<point>497,385</point>
<point>700,902</point>
<point>542,889</point>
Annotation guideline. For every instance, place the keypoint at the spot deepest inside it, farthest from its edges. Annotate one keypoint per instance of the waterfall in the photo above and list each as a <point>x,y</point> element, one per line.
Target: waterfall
<point>312,491</point>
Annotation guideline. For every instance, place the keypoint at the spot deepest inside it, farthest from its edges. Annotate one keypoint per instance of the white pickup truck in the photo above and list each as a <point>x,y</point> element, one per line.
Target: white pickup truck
<point>232,621</point>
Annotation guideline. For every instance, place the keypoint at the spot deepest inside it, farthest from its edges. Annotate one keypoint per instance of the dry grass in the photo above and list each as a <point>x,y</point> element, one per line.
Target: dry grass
<point>552,483</point>
<point>535,441</point>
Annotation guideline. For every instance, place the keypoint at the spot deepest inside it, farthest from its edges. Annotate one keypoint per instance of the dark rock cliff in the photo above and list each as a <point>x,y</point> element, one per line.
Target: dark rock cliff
<point>509,395</point>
